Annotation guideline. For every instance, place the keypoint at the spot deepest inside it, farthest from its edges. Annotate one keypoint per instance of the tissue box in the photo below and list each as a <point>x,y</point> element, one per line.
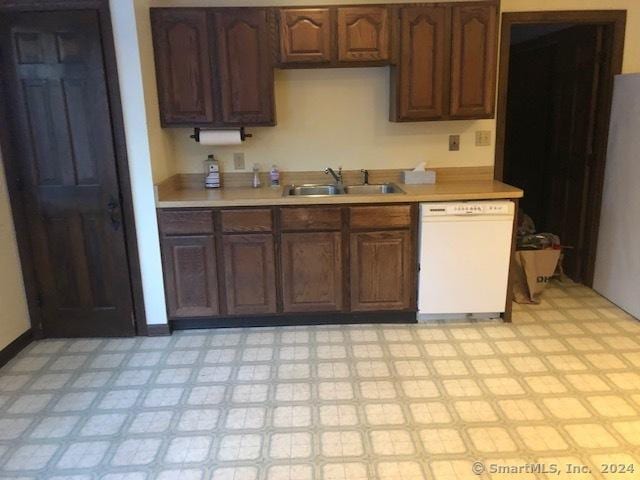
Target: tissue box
<point>423,177</point>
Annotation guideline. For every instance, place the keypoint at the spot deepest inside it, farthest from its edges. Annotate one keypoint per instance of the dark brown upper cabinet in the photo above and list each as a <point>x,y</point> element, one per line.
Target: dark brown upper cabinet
<point>184,78</point>
<point>363,34</point>
<point>473,60</point>
<point>419,88</point>
<point>215,65</point>
<point>244,68</point>
<point>305,35</point>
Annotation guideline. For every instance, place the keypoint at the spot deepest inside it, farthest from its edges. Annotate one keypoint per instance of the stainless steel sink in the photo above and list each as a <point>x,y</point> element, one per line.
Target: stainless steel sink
<point>313,190</point>
<point>376,189</point>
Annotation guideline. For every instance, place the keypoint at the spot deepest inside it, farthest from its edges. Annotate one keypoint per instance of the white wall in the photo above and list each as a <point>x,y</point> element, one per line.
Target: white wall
<point>617,274</point>
<point>14,315</point>
<point>138,151</point>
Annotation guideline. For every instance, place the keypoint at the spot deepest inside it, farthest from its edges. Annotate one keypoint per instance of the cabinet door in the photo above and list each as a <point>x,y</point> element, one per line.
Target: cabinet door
<point>305,35</point>
<point>183,67</point>
<point>363,34</point>
<point>244,66</point>
<point>250,274</point>
<point>312,272</point>
<point>190,276</point>
<point>473,61</point>
<point>421,70</point>
<point>382,271</point>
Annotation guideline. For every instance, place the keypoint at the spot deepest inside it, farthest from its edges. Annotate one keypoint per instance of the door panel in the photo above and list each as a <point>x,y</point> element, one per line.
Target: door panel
<point>183,67</point>
<point>305,35</point>
<point>250,274</point>
<point>473,60</point>
<point>576,84</point>
<point>191,276</point>
<point>65,152</point>
<point>244,67</point>
<point>381,271</point>
<point>312,272</point>
<point>423,31</point>
<point>363,34</point>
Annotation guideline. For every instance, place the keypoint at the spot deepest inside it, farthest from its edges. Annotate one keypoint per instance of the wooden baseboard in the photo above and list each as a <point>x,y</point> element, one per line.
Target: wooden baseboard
<point>15,347</point>
<point>161,330</point>
<point>293,320</point>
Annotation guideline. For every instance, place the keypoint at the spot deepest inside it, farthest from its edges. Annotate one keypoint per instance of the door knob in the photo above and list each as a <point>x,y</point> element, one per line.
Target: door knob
<point>113,208</point>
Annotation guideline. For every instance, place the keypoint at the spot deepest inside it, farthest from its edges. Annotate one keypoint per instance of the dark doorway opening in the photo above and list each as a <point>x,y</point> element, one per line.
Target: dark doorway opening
<point>556,80</point>
<point>63,147</point>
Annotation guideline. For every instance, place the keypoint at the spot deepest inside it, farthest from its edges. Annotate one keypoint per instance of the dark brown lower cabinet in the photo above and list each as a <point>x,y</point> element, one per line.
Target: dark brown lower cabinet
<point>253,262</point>
<point>250,274</point>
<point>191,276</point>
<point>382,271</point>
<point>312,272</point>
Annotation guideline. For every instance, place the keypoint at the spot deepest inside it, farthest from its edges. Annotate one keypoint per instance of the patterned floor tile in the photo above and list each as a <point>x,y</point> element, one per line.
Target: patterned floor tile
<point>558,388</point>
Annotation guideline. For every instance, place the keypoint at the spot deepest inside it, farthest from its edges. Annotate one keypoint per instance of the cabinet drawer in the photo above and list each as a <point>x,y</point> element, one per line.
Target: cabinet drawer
<point>380,216</point>
<point>185,222</point>
<point>311,218</point>
<point>244,221</point>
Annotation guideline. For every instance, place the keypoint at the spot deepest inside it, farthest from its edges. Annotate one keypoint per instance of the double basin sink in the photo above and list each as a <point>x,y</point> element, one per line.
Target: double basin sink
<point>329,190</point>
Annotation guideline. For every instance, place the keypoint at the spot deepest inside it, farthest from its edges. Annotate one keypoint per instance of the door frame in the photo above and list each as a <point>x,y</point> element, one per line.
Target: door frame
<point>614,22</point>
<point>10,160</point>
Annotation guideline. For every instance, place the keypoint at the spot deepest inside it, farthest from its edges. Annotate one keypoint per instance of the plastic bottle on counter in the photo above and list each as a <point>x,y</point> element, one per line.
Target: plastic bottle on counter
<point>256,176</point>
<point>274,176</point>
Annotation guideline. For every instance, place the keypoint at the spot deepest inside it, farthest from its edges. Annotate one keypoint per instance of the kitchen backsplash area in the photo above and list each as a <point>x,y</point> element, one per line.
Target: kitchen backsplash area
<point>339,117</point>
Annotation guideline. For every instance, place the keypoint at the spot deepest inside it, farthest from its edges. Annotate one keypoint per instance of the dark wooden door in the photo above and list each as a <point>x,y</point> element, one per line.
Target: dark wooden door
<point>420,81</point>
<point>381,270</point>
<point>572,149</point>
<point>191,276</point>
<point>183,67</point>
<point>245,71</point>
<point>527,133</point>
<point>473,60</point>
<point>250,274</point>
<point>305,35</point>
<point>312,272</point>
<point>62,136</point>
<point>363,34</point>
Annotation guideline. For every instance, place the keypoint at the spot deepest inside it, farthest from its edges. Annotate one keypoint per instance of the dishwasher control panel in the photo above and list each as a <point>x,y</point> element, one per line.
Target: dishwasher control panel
<point>467,208</point>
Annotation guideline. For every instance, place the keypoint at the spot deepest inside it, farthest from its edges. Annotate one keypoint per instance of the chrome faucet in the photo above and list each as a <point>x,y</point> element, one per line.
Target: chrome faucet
<point>336,176</point>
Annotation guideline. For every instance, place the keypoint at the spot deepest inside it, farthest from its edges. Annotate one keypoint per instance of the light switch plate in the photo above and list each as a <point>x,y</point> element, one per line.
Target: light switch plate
<point>454,143</point>
<point>483,138</point>
<point>238,161</point>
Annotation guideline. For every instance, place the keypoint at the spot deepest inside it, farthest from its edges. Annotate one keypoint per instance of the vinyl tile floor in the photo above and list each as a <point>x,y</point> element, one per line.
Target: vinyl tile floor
<point>557,389</point>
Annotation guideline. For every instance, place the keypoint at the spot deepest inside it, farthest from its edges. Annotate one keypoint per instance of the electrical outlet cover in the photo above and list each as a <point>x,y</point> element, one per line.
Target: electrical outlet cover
<point>483,138</point>
<point>238,161</point>
<point>454,143</point>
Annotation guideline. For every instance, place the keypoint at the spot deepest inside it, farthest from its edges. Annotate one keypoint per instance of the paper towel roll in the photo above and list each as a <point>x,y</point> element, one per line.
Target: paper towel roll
<point>220,137</point>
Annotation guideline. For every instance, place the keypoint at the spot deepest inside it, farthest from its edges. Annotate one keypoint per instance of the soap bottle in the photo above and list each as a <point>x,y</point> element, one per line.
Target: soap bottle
<point>274,176</point>
<point>256,176</point>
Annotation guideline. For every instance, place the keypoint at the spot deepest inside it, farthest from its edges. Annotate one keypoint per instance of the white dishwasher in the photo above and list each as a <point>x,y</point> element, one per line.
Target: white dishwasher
<point>465,249</point>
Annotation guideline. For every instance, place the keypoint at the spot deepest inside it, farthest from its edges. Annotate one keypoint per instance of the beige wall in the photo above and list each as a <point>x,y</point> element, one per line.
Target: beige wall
<point>160,141</point>
<point>14,316</point>
<point>339,116</point>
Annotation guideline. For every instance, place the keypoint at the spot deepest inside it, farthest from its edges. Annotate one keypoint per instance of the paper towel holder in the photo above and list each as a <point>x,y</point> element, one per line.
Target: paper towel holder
<point>243,135</point>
